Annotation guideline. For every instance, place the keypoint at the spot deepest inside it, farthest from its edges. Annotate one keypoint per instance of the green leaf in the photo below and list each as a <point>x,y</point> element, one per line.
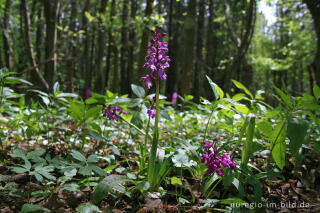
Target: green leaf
<point>94,111</point>
<point>278,145</point>
<point>175,180</point>
<point>26,208</point>
<point>18,153</point>
<point>45,171</point>
<point>138,91</point>
<point>77,110</point>
<point>217,91</point>
<point>284,97</point>
<point>93,159</point>
<point>183,201</point>
<point>67,95</point>
<point>15,80</point>
<point>106,185</point>
<point>77,155</point>
<point>34,154</point>
<point>248,145</point>
<point>296,131</point>
<point>70,172</point>
<point>87,208</point>
<point>242,87</point>
<point>72,187</point>
<point>316,91</point>
<point>18,169</point>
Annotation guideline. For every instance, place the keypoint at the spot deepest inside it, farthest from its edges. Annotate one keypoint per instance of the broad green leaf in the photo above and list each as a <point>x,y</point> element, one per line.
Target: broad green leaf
<point>45,171</point>
<point>77,109</point>
<point>239,97</point>
<point>37,153</point>
<point>316,91</point>
<point>18,169</point>
<point>248,145</point>
<point>175,180</point>
<point>137,90</point>
<point>278,145</point>
<point>94,111</point>
<point>265,127</point>
<point>106,185</point>
<point>242,87</point>
<point>70,172</point>
<point>296,131</point>
<point>18,153</point>
<point>85,170</point>
<point>26,208</point>
<point>72,187</point>
<point>284,97</point>
<point>88,208</point>
<point>217,91</point>
<point>93,159</point>
<point>77,155</point>
<point>15,80</point>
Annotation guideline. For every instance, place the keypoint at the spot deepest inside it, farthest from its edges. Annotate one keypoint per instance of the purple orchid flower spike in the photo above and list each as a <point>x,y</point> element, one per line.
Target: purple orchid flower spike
<point>215,163</point>
<point>113,112</point>
<point>156,61</point>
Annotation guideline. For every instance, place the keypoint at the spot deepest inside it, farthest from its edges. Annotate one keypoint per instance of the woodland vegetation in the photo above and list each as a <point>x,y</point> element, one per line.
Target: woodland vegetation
<point>159,105</point>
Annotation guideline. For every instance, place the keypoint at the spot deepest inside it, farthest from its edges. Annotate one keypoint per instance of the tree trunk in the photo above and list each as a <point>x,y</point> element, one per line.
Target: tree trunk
<point>71,49</point>
<point>36,74</point>
<point>242,43</point>
<point>211,49</point>
<point>39,34</point>
<point>144,40</point>
<point>84,58</point>
<point>5,34</point>
<point>110,43</point>
<point>314,8</point>
<point>132,44</point>
<point>124,44</point>
<point>51,8</point>
<point>189,53</point>
<point>198,74</point>
<point>98,71</point>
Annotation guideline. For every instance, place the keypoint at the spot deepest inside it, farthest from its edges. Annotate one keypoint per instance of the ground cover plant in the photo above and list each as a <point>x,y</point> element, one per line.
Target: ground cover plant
<point>111,153</point>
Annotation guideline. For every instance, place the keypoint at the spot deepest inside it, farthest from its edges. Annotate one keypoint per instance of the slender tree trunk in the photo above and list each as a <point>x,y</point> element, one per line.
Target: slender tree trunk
<point>70,67</point>
<point>5,33</point>
<point>198,74</point>
<point>51,8</point>
<point>124,50</point>
<point>39,34</point>
<point>144,39</point>
<point>189,53</point>
<point>132,44</point>
<point>115,81</point>
<point>170,83</point>
<point>314,8</point>
<point>98,71</point>
<point>110,43</point>
<point>86,40</point>
<point>36,74</point>
<point>211,49</point>
<point>242,43</point>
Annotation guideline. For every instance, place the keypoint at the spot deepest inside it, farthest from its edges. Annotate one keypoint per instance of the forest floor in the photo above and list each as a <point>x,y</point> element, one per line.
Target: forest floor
<point>298,191</point>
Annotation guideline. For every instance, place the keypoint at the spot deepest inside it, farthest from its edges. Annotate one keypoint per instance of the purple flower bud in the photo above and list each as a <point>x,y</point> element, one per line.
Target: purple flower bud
<point>88,93</point>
